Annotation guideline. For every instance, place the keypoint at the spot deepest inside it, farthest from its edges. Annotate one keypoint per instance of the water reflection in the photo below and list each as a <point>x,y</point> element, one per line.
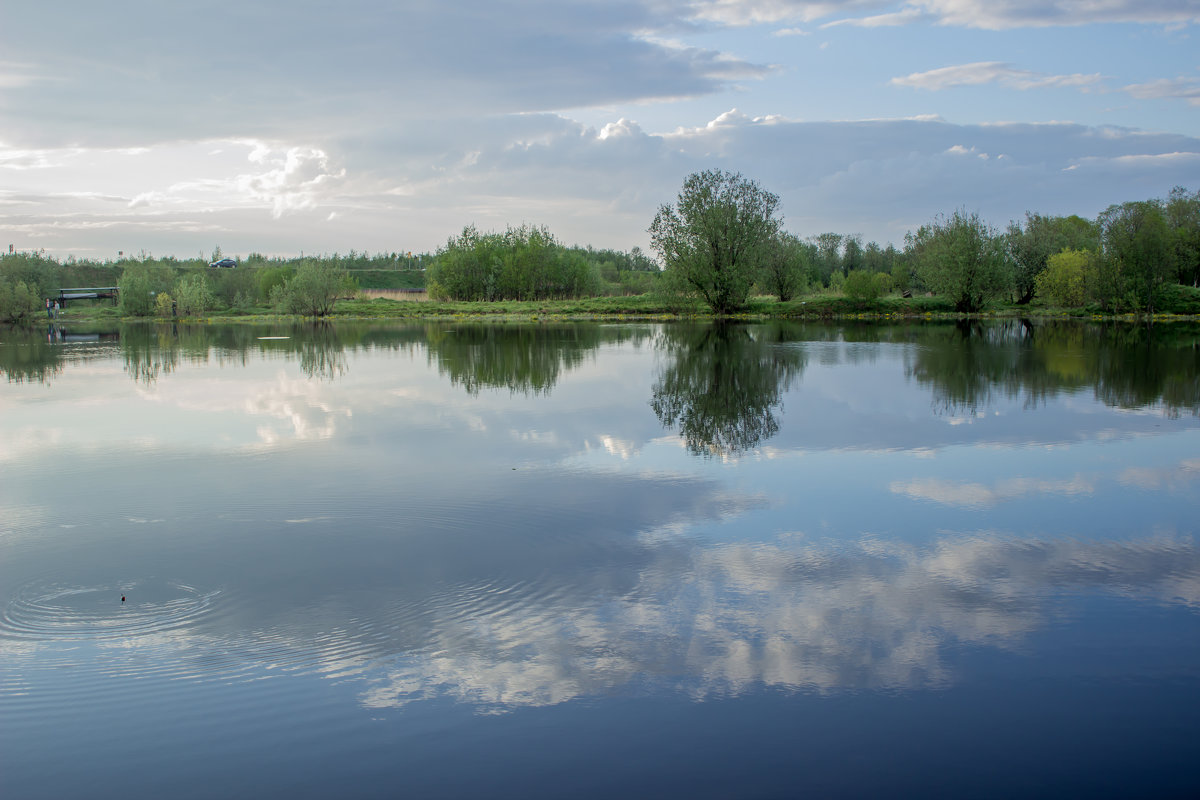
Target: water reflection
<point>524,359</point>
<point>822,618</point>
<point>723,386</point>
<point>725,382</point>
<point>701,620</point>
<point>1126,366</point>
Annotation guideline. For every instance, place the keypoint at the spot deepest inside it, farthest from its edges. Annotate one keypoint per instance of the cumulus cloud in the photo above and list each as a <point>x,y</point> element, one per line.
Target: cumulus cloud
<point>413,189</point>
<point>983,72</point>
<point>869,616</point>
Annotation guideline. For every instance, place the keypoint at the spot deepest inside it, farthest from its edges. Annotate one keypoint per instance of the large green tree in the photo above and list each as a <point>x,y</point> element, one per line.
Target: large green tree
<point>786,264</point>
<point>962,258</point>
<point>713,240</point>
<point>1138,244</point>
<point>1183,218</point>
<point>1031,245</point>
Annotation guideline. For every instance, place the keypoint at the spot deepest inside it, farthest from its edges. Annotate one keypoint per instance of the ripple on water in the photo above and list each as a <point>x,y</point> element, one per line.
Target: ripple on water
<point>46,613</point>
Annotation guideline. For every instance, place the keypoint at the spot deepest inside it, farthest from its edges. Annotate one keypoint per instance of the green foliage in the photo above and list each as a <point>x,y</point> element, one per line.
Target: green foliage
<point>864,286</point>
<point>268,278</point>
<point>1031,246</point>
<point>713,240</point>
<point>313,290</point>
<point>525,263</point>
<point>193,295</point>
<point>1137,247</point>
<point>787,262</point>
<point>1183,218</point>
<point>163,305</point>
<point>1064,281</point>
<point>140,283</point>
<point>829,261</point>
<point>962,258</point>
<point>36,271</point>
<point>18,301</point>
<point>724,384</point>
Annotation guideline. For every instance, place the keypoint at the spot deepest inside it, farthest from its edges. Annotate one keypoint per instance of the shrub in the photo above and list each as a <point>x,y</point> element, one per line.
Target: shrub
<point>18,301</point>
<point>1064,280</point>
<point>163,304</point>
<point>862,286</point>
<point>194,295</point>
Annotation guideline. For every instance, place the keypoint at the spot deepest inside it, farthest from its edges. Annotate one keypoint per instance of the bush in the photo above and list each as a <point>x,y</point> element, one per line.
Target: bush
<point>1063,282</point>
<point>194,295</point>
<point>140,283</point>
<point>18,301</point>
<point>313,290</point>
<point>163,305</point>
<point>862,286</point>
<point>525,263</point>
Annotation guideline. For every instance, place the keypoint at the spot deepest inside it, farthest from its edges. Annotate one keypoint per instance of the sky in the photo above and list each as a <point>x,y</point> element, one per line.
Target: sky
<point>144,127</point>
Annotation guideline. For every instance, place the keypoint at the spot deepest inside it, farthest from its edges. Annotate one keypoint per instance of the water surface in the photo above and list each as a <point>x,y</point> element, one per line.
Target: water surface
<point>698,560</point>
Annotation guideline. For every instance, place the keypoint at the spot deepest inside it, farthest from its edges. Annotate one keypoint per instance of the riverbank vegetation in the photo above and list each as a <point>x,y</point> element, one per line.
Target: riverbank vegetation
<point>721,250</point>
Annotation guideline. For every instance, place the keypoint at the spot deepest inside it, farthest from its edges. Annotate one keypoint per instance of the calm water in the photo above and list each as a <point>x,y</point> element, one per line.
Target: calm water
<point>456,560</point>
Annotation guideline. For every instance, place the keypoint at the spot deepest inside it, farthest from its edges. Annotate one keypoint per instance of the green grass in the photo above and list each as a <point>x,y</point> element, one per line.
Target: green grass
<point>1178,301</point>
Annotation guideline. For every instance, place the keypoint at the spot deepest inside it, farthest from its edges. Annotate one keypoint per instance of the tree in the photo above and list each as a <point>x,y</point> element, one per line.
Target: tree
<point>138,285</point>
<point>525,263</point>
<point>829,246</point>
<point>1041,237</point>
<point>1183,217</point>
<point>1137,242</point>
<point>193,295</point>
<point>712,241</point>
<point>786,264</point>
<point>852,253</point>
<point>313,290</point>
<point>962,258</point>
<point>19,302</point>
<point>1064,280</point>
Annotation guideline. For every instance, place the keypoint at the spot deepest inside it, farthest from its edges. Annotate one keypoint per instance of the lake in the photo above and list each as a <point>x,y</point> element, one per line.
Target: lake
<point>599,560</point>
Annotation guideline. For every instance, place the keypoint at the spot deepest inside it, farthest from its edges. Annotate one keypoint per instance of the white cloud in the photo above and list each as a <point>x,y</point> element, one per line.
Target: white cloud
<point>983,72</point>
<point>412,190</point>
<point>1182,88</point>
<point>1010,14</point>
<point>309,74</point>
<point>978,495</point>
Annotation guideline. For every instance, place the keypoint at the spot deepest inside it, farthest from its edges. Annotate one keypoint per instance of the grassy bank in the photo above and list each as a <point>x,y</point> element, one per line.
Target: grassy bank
<point>1183,303</point>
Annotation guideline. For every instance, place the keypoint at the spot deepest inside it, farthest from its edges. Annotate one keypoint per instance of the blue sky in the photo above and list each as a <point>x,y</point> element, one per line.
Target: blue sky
<point>382,126</point>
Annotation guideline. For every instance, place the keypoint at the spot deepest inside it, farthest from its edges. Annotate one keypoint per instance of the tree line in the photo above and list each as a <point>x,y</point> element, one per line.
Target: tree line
<point>723,239</point>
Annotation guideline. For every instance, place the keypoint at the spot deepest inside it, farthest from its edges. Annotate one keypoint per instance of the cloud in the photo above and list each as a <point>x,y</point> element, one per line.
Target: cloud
<point>310,73</point>
<point>1182,88</point>
<point>983,72</point>
<point>827,618</point>
<point>413,188</point>
<point>1010,14</point>
<point>978,495</point>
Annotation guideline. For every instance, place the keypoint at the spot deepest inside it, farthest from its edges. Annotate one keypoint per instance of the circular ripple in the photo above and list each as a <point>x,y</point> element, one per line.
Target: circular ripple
<point>77,613</point>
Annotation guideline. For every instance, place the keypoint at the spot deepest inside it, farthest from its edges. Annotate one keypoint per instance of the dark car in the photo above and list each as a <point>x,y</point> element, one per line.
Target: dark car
<point>224,263</point>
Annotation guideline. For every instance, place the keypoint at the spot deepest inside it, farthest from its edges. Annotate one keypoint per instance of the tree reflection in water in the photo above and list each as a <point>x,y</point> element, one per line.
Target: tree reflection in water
<point>725,383</point>
<point>969,363</point>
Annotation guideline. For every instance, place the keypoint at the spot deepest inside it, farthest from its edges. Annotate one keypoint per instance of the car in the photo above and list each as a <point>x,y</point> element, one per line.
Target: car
<point>224,263</point>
